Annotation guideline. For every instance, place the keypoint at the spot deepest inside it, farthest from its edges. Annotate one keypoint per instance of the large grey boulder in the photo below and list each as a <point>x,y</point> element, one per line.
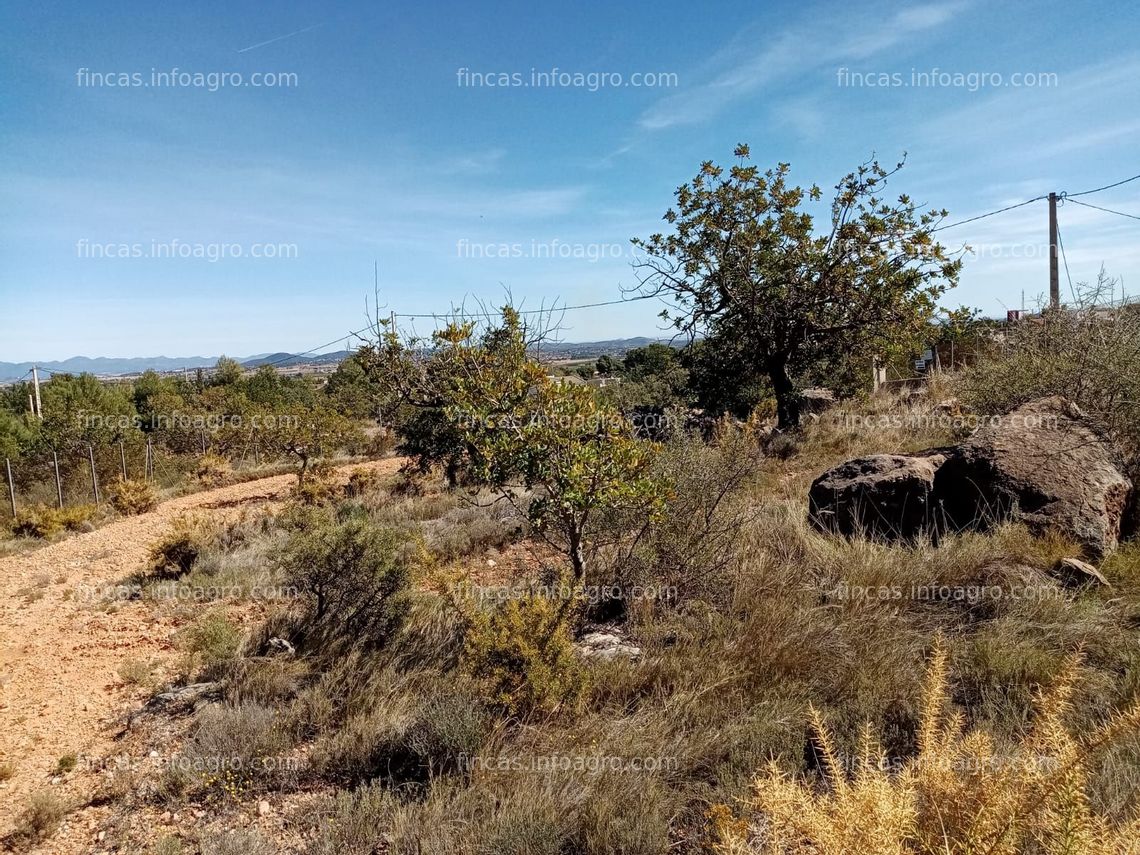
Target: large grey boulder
<point>884,496</point>
<point>1045,464</point>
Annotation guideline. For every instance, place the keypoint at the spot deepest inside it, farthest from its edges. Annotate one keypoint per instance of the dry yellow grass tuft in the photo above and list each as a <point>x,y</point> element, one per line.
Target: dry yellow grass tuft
<point>959,796</point>
<point>133,497</point>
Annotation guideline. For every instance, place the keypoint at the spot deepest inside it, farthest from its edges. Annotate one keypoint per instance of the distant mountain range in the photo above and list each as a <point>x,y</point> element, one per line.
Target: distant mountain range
<point>111,366</point>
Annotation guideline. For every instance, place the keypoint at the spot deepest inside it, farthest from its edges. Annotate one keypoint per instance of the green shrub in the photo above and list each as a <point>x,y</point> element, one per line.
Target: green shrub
<point>212,469</point>
<point>450,725</point>
<point>211,644</point>
<point>237,842</point>
<point>43,522</point>
<point>173,555</point>
<point>357,822</point>
<point>268,682</point>
<point>355,579</point>
<point>168,846</point>
<point>362,482</point>
<point>404,731</point>
<point>133,497</point>
<point>136,672</point>
<point>687,552</point>
<point>41,817</point>
<point>1082,353</point>
<point>523,651</point>
<point>318,486</point>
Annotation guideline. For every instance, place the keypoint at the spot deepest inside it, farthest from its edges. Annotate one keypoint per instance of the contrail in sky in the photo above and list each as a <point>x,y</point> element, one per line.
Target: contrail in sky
<point>279,38</point>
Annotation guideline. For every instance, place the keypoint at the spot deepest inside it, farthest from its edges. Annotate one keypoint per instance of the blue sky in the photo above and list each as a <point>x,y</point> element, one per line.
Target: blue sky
<point>378,151</point>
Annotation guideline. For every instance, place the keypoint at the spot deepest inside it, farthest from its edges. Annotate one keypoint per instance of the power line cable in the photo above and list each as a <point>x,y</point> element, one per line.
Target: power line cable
<point>1099,208</point>
<point>1038,199</point>
<point>991,213</point>
<point>1065,258</point>
<point>551,310</point>
<point>1105,187</point>
<point>435,315</point>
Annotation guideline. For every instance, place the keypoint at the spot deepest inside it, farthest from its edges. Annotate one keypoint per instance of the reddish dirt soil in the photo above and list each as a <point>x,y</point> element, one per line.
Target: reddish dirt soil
<point>61,647</point>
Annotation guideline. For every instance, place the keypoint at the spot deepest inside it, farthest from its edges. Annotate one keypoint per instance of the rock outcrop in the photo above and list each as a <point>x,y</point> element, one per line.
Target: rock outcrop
<point>885,496</point>
<point>1044,464</point>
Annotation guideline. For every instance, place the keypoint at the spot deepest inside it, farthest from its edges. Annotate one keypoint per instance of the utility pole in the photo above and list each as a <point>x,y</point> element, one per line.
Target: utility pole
<point>58,482</point>
<point>11,486</point>
<point>94,476</point>
<point>1054,271</point>
<point>36,384</point>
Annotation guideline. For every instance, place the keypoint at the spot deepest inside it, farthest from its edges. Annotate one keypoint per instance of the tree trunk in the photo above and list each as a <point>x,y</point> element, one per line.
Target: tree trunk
<point>451,471</point>
<point>578,563</point>
<point>577,556</point>
<point>787,395</point>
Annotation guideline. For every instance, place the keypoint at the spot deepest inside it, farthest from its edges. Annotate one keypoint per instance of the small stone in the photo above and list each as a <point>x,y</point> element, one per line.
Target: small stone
<point>1074,573</point>
<point>606,646</point>
<point>280,645</point>
<point>263,808</point>
<point>153,753</point>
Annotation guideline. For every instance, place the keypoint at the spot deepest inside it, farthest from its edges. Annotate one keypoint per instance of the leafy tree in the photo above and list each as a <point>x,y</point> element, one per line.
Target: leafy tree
<point>418,380</point>
<point>306,432</point>
<point>81,411</point>
<point>653,378</point>
<point>523,431</point>
<point>961,330</point>
<point>227,372</point>
<point>721,379</point>
<point>655,358</point>
<point>607,366</point>
<point>16,435</point>
<point>352,391</point>
<point>744,265</point>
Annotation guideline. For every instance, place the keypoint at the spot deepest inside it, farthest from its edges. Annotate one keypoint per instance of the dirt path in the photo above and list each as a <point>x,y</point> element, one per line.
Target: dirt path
<point>60,691</point>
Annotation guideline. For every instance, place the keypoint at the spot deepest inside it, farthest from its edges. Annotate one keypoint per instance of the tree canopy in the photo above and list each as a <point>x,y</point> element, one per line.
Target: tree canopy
<point>745,266</point>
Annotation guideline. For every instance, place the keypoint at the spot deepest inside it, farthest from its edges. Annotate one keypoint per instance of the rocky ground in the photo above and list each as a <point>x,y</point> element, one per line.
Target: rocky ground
<point>63,642</point>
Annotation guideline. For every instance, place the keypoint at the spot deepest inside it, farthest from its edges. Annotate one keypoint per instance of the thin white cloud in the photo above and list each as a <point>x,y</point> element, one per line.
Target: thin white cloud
<point>476,163</point>
<point>278,38</point>
<point>1068,115</point>
<point>758,58</point>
